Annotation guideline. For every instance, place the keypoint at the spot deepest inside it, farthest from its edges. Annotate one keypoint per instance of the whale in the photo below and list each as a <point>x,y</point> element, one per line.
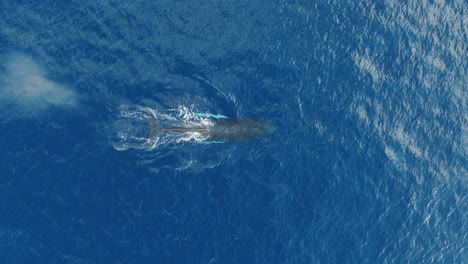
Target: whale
<point>139,128</point>
<point>219,129</point>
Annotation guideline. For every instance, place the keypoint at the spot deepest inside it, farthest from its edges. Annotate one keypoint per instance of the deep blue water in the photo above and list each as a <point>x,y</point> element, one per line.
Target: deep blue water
<point>368,165</point>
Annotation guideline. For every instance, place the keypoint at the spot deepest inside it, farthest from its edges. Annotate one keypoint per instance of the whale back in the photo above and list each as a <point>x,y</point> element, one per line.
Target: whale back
<point>238,129</point>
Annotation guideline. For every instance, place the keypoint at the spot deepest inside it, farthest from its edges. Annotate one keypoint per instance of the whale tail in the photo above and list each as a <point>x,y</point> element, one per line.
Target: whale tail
<point>155,129</point>
<point>135,128</point>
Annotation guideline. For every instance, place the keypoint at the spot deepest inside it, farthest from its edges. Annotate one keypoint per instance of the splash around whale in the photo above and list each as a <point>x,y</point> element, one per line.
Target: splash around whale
<point>145,128</point>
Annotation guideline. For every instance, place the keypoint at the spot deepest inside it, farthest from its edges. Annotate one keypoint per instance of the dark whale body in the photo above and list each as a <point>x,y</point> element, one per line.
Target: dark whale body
<point>140,129</point>
<point>219,129</point>
<point>224,129</point>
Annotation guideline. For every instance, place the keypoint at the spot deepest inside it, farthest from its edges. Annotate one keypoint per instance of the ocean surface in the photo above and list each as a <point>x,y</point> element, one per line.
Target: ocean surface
<point>368,164</point>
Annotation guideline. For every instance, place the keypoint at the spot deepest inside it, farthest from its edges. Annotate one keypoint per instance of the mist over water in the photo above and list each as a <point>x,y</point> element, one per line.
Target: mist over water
<point>25,90</point>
